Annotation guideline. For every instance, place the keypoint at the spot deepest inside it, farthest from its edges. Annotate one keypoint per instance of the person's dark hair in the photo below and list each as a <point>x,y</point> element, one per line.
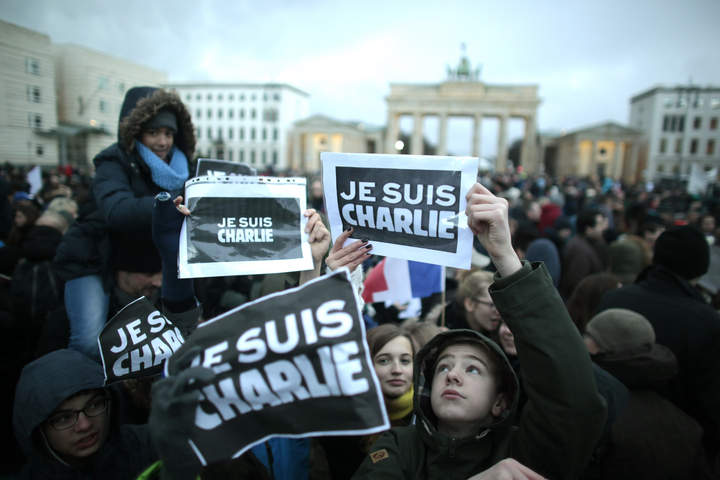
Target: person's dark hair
<point>587,218</point>
<point>379,336</point>
<point>684,251</point>
<point>586,297</point>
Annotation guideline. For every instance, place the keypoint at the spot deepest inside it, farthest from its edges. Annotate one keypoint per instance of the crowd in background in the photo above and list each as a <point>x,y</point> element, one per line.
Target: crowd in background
<point>638,267</point>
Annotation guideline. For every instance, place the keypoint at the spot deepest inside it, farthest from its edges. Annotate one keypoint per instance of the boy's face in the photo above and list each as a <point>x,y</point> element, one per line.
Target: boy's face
<point>87,435</point>
<point>464,390</point>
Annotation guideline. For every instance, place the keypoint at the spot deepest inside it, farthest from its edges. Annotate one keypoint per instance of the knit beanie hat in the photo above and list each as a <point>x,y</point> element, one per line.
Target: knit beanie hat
<point>627,259</point>
<point>164,118</point>
<point>135,252</point>
<point>684,251</point>
<point>618,330</point>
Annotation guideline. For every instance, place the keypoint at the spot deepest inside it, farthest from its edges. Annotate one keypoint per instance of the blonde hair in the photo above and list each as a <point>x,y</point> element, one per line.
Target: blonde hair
<point>473,285</point>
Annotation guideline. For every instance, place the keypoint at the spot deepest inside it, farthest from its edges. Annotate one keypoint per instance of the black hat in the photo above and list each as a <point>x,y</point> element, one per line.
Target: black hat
<point>164,118</point>
<point>135,252</point>
<point>684,251</point>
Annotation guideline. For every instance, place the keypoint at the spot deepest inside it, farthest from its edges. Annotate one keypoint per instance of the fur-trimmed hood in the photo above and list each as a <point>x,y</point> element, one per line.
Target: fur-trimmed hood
<point>143,103</point>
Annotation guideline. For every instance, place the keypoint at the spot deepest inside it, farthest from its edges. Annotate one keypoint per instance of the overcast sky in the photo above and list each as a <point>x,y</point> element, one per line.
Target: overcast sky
<point>588,57</point>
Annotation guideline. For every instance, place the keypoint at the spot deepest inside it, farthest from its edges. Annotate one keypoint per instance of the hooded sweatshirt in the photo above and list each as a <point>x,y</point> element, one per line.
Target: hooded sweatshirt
<point>47,382</point>
<point>562,420</point>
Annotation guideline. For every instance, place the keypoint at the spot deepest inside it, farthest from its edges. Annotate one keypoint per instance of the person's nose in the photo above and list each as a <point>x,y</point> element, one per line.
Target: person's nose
<point>395,368</point>
<point>83,422</point>
<point>453,376</point>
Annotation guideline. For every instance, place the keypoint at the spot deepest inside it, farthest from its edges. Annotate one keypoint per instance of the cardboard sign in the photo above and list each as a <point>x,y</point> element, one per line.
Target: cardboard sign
<point>291,364</point>
<point>136,342</point>
<point>222,168</point>
<point>244,225</point>
<point>410,207</point>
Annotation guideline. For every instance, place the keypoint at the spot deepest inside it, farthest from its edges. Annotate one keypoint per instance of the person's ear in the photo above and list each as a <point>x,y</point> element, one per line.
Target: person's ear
<point>469,305</point>
<point>499,405</point>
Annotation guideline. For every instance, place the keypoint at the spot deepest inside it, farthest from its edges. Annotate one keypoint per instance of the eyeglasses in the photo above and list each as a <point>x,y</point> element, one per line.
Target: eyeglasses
<point>485,302</point>
<point>65,419</point>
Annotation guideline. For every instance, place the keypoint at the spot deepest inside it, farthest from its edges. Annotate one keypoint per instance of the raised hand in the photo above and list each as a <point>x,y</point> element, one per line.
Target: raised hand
<point>349,256</point>
<point>488,219</point>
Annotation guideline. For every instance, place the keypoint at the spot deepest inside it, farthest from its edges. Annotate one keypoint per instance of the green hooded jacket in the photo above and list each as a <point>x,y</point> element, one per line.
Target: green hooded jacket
<point>560,424</point>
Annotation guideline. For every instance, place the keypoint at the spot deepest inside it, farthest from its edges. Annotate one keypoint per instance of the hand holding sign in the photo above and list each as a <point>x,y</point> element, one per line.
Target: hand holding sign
<point>488,219</point>
<point>349,256</point>
<point>172,416</point>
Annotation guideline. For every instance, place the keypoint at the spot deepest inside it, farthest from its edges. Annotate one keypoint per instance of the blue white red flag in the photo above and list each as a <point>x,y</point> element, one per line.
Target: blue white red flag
<point>395,280</point>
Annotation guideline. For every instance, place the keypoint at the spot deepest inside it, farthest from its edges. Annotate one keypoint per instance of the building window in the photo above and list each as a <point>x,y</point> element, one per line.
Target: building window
<point>265,98</point>
<point>230,132</point>
<point>33,94</point>
<point>252,113</point>
<point>710,149</point>
<point>188,97</point>
<point>264,133</point>
<point>231,113</point>
<point>242,113</point>
<point>663,145</point>
<point>275,133</point>
<point>252,157</point>
<point>274,157</point>
<point>39,150</point>
<point>241,157</point>
<point>678,145</point>
<point>713,123</point>
<point>270,115</point>
<point>32,66</point>
<point>252,133</point>
<point>230,154</point>
<point>666,123</point>
<point>103,83</point>
<point>693,146</point>
<point>209,96</point>
<point>209,135</point>
<point>681,101</point>
<point>242,97</point>
<point>276,96</point>
<point>661,168</point>
<point>220,112</point>
<point>198,113</point>
<point>198,96</point>
<point>220,97</point>
<point>103,106</point>
<point>697,123</point>
<point>264,157</point>
<point>220,136</point>
<point>197,133</point>
<point>715,103</point>
<point>253,97</point>
<point>669,102</point>
<point>231,97</point>
<point>121,87</point>
<point>241,133</point>
<point>209,113</point>
<point>681,124</point>
<point>34,120</point>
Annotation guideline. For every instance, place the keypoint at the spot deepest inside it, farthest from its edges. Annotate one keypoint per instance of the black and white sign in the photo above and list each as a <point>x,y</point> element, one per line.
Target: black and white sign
<point>222,168</point>
<point>294,363</point>
<point>244,225</point>
<point>136,342</point>
<point>410,207</point>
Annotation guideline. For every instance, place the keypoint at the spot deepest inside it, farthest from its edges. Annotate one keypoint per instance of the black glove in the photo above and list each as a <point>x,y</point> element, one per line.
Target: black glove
<point>174,401</point>
<point>178,295</point>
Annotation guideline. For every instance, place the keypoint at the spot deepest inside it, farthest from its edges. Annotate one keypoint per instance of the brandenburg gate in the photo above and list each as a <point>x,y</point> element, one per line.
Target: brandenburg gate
<point>464,95</point>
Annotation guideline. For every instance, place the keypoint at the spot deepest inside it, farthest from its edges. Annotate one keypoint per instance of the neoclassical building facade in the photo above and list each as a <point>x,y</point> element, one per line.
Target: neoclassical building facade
<point>464,95</point>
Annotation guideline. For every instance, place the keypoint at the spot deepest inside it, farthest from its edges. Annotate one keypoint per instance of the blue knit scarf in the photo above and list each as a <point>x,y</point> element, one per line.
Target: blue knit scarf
<point>170,176</point>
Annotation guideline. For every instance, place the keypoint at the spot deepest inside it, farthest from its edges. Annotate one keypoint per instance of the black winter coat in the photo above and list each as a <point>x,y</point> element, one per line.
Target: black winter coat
<point>689,327</point>
<point>123,190</point>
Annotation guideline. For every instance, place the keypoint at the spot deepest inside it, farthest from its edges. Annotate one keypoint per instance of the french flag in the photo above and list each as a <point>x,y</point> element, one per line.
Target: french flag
<point>394,280</point>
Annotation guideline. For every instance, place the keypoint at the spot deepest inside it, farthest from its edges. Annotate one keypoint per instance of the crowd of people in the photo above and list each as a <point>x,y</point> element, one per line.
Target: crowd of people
<point>583,343</point>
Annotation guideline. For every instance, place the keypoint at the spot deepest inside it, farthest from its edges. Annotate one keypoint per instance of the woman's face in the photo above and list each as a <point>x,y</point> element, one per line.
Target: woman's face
<point>507,340</point>
<point>394,367</point>
<point>481,313</point>
<point>159,140</point>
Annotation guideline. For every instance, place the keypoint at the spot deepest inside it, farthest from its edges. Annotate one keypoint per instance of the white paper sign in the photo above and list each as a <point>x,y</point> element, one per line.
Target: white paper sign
<point>244,225</point>
<point>407,206</point>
